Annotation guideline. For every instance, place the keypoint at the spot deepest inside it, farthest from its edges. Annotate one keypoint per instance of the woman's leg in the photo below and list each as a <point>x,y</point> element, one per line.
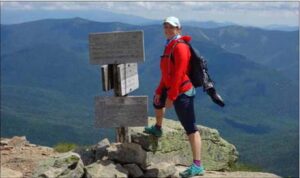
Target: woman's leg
<point>195,142</point>
<point>184,107</point>
<point>159,114</point>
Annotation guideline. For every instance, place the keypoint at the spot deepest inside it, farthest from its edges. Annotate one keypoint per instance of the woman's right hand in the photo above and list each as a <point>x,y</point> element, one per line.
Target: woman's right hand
<point>157,99</point>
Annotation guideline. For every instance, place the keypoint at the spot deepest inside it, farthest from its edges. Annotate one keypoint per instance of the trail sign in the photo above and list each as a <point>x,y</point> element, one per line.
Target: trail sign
<point>119,53</point>
<point>116,47</point>
<point>128,80</point>
<point>121,111</point>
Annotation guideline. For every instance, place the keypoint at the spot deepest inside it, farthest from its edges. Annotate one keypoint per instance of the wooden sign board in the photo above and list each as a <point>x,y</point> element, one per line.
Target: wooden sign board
<point>116,47</point>
<point>128,80</point>
<point>131,111</point>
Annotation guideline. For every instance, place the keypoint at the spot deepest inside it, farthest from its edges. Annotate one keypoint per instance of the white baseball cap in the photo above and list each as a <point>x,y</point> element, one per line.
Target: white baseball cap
<point>174,21</point>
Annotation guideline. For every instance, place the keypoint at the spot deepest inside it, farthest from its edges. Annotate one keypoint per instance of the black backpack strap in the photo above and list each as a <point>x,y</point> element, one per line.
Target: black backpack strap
<point>172,57</point>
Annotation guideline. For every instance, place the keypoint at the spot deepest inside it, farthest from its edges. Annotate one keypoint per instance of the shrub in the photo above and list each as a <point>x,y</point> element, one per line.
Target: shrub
<point>64,147</point>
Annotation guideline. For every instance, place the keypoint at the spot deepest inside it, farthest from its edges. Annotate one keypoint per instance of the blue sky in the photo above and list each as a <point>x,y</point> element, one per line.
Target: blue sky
<point>244,13</point>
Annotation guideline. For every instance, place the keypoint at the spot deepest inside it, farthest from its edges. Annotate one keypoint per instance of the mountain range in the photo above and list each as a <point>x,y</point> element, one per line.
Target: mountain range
<point>48,85</point>
<point>16,16</point>
<point>261,46</point>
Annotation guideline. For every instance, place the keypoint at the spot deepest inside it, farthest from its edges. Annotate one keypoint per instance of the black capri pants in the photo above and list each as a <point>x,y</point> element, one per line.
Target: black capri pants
<point>184,107</point>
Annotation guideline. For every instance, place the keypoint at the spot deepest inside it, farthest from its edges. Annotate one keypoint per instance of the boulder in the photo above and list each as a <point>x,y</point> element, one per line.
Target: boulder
<point>133,170</point>
<point>93,153</point>
<point>17,141</point>
<point>9,173</point>
<point>105,169</point>
<point>174,147</point>
<point>127,153</point>
<point>100,149</point>
<point>162,169</point>
<point>87,154</point>
<point>62,165</point>
<point>221,174</point>
<point>4,141</point>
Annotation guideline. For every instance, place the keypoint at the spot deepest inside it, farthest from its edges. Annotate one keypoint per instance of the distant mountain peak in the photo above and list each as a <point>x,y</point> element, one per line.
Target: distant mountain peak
<point>79,19</point>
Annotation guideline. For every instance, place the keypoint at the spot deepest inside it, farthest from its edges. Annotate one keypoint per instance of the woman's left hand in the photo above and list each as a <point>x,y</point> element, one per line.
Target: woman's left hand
<point>169,103</point>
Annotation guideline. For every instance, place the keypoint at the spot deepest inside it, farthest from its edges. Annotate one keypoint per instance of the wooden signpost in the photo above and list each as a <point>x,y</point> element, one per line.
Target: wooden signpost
<point>128,80</point>
<point>120,111</point>
<point>118,53</point>
<point>116,47</point>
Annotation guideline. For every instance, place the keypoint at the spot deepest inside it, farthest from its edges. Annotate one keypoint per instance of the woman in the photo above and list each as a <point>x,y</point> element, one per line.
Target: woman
<point>176,89</point>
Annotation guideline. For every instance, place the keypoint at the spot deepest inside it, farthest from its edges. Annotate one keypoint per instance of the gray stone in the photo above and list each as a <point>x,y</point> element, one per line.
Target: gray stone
<point>174,147</point>
<point>127,153</point>
<point>4,141</point>
<point>9,173</point>
<point>103,143</point>
<point>222,174</point>
<point>105,169</point>
<point>17,141</point>
<point>133,170</point>
<point>162,169</point>
<point>100,149</point>
<point>87,155</point>
<point>63,165</point>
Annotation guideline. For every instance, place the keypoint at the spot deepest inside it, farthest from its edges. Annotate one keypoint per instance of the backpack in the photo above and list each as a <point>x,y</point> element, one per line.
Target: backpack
<point>198,73</point>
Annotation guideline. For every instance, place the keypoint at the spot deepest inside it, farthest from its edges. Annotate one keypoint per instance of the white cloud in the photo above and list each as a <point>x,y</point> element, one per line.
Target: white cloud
<point>240,12</point>
<point>145,5</point>
<point>148,5</point>
<point>16,5</point>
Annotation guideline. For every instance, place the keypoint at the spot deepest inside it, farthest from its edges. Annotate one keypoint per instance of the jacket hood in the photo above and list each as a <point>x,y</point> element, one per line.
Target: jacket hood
<point>186,38</point>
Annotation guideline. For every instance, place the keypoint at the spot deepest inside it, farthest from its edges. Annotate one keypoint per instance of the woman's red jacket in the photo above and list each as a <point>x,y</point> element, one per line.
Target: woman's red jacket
<point>174,74</point>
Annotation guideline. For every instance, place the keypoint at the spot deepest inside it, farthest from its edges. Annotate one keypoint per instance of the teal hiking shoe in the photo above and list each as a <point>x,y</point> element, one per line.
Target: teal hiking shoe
<point>153,131</point>
<point>191,171</point>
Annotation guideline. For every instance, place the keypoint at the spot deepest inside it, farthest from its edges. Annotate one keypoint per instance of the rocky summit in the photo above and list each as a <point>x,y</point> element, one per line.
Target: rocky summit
<point>145,156</point>
<point>173,147</point>
<point>19,158</point>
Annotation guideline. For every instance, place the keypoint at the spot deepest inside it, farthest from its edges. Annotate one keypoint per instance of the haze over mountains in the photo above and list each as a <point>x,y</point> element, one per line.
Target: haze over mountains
<point>11,16</point>
<point>48,85</point>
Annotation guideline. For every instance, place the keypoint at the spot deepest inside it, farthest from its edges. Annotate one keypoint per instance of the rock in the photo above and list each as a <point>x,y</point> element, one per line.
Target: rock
<point>133,170</point>
<point>103,143</point>
<point>63,165</point>
<point>237,174</point>
<point>6,148</point>
<point>25,159</point>
<point>4,142</point>
<point>173,146</point>
<point>18,154</point>
<point>9,173</point>
<point>162,169</point>
<point>217,153</point>
<point>18,141</point>
<point>87,155</point>
<point>30,145</point>
<point>127,153</point>
<point>45,148</point>
<point>100,149</point>
<point>105,169</point>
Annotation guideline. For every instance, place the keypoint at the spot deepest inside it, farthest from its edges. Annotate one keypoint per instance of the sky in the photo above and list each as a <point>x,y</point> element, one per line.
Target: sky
<point>255,13</point>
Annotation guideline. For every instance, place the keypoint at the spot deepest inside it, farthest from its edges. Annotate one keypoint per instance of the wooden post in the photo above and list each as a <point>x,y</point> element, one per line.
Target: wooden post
<point>119,53</point>
<point>121,134</point>
<point>107,77</point>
